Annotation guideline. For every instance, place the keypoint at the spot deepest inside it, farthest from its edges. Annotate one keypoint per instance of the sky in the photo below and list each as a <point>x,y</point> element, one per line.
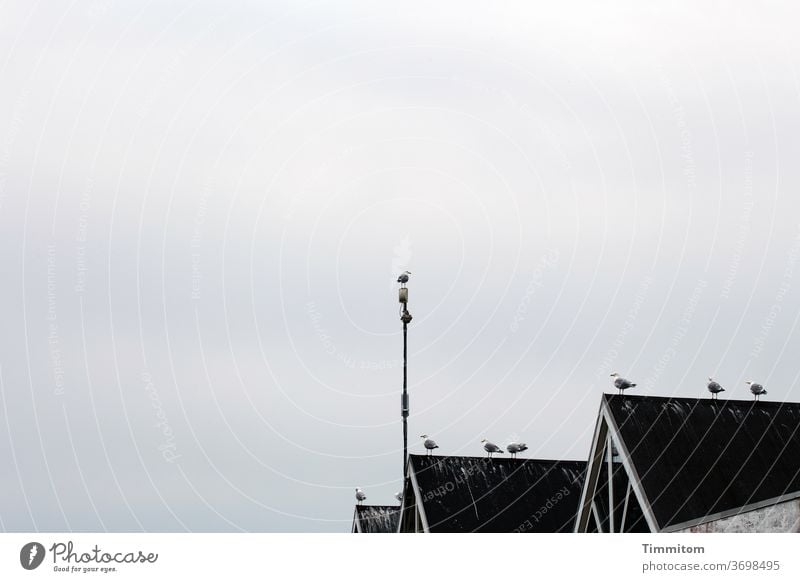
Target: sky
<point>204,207</point>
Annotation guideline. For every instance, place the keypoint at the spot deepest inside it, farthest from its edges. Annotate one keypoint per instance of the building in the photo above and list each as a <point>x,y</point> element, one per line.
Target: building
<point>375,519</point>
<point>478,494</point>
<point>692,465</point>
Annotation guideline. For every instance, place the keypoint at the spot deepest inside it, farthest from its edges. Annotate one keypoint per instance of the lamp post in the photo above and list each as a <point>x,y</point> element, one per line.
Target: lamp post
<point>405,317</point>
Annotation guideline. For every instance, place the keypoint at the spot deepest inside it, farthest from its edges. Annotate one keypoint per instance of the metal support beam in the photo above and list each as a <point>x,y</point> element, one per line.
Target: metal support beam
<point>633,476</point>
<point>625,508</point>
<point>597,518</point>
<point>592,474</point>
<point>610,468</point>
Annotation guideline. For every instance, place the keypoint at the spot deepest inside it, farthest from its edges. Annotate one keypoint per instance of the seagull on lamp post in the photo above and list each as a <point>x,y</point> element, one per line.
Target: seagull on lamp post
<point>715,388</point>
<point>621,383</point>
<point>756,389</point>
<point>403,278</point>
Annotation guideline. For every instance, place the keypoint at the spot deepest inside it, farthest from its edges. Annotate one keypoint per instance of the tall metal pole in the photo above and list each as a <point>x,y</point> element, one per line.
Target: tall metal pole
<point>405,395</point>
<point>405,317</point>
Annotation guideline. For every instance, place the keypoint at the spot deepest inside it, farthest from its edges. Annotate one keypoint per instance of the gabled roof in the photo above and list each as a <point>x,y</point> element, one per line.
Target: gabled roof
<point>477,494</point>
<point>375,519</point>
<point>697,460</point>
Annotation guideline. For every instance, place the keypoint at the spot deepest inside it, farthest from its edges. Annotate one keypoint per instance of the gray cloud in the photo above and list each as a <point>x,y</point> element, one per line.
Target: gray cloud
<point>201,208</point>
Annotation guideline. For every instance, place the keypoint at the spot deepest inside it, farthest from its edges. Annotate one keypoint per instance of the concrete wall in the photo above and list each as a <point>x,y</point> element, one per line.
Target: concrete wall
<point>782,517</point>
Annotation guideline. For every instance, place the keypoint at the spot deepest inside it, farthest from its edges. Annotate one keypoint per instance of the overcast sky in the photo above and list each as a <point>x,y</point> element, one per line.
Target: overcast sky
<point>204,207</point>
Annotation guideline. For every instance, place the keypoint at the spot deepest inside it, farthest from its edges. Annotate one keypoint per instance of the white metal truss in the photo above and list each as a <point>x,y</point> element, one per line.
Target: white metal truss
<point>606,435</point>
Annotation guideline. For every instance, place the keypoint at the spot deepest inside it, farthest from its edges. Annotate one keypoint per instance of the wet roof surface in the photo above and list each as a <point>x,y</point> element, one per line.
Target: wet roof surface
<point>377,518</point>
<point>466,494</point>
<point>698,457</point>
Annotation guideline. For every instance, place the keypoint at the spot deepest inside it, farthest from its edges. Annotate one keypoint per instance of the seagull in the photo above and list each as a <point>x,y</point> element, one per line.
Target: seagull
<point>714,388</point>
<point>491,448</point>
<point>430,444</point>
<point>621,383</point>
<point>515,448</point>
<point>399,495</point>
<point>360,496</point>
<point>756,389</point>
<point>403,278</point>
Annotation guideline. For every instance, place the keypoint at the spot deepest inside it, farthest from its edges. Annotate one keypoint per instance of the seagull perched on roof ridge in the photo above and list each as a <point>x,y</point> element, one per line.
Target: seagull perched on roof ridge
<point>360,496</point>
<point>756,389</point>
<point>403,278</point>
<point>491,448</point>
<point>429,443</point>
<point>621,383</point>
<point>714,387</point>
<point>399,495</point>
<point>515,448</point>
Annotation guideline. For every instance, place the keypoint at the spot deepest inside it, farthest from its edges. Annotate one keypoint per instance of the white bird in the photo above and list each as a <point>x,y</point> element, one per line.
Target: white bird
<point>515,448</point>
<point>621,383</point>
<point>491,448</point>
<point>430,444</point>
<point>360,496</point>
<point>715,388</point>
<point>403,278</point>
<point>756,389</point>
<point>399,495</point>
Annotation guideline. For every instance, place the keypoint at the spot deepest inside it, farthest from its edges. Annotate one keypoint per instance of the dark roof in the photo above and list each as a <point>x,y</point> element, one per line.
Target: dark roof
<point>696,458</point>
<point>377,518</point>
<point>477,494</point>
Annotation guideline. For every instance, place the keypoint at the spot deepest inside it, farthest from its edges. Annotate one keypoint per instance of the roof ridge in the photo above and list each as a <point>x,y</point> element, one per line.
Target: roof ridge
<point>607,396</point>
<point>496,459</point>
